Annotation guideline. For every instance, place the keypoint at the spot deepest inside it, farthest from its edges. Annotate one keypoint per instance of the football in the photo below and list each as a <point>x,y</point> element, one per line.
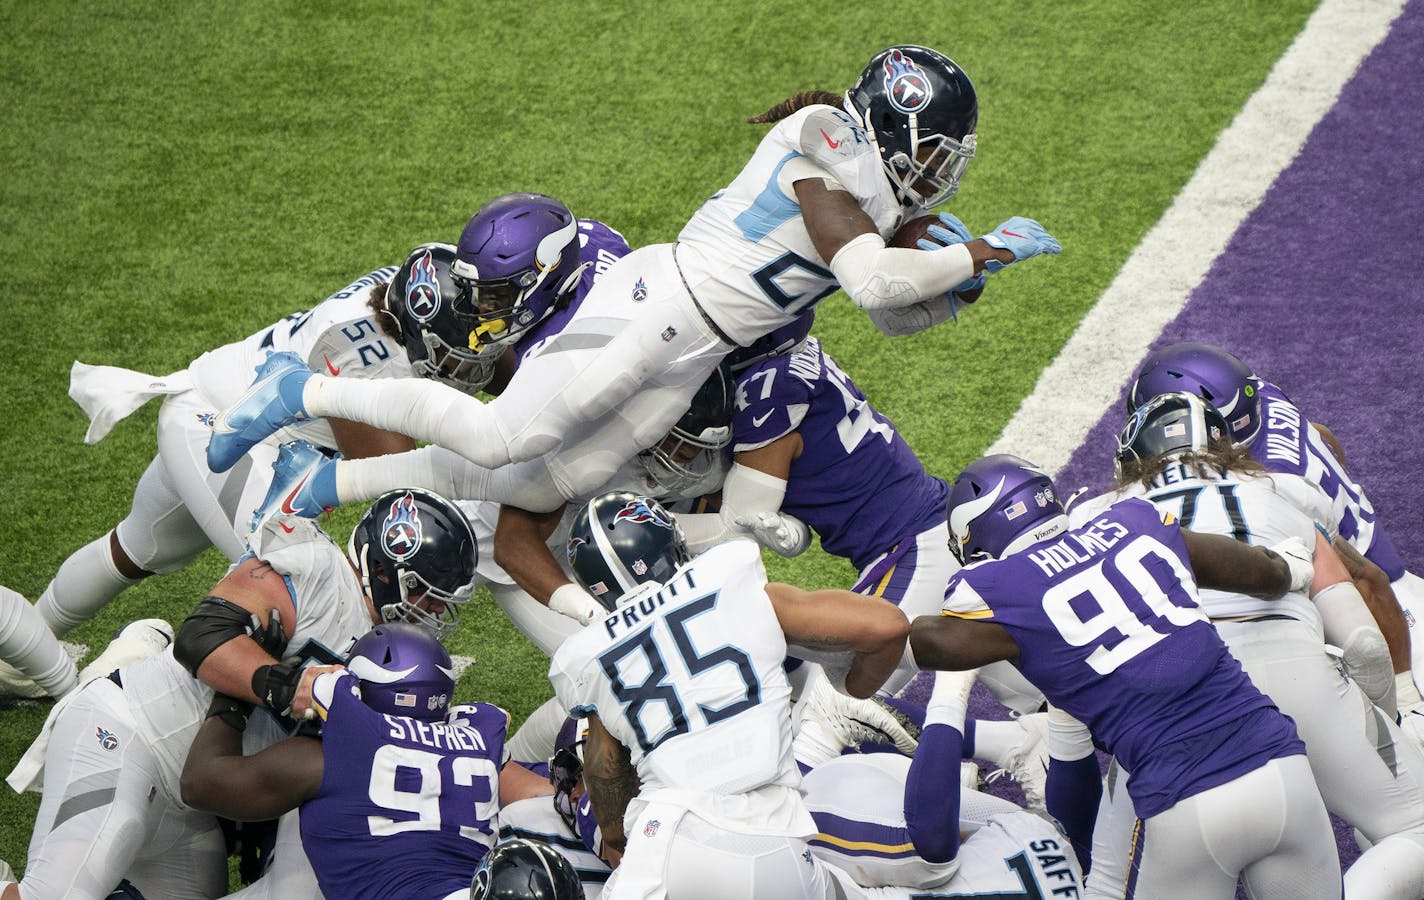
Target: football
<point>908,234</point>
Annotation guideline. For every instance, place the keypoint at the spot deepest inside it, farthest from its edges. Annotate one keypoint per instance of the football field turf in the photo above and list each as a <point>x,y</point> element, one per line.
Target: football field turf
<point>178,176</point>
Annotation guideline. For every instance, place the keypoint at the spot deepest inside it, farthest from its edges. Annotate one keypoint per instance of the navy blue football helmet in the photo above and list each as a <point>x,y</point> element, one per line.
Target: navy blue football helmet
<point>416,555</point>
<point>782,340</point>
<point>620,541</point>
<point>691,454</point>
<point>517,262</point>
<point>404,670</point>
<point>1170,425</point>
<point>421,297</point>
<point>1211,373</point>
<point>525,869</point>
<point>999,504</point>
<point>566,768</point>
<point>919,110</point>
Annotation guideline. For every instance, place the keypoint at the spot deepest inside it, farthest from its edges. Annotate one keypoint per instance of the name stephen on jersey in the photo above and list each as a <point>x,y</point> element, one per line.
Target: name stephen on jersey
<point>441,735</point>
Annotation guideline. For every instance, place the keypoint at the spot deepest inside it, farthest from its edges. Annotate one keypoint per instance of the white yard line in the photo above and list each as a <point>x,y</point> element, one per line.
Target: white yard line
<point>1149,291</point>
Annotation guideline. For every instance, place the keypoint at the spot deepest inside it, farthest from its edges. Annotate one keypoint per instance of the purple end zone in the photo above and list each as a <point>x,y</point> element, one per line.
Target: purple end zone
<point>1322,289</point>
<point>1322,292</point>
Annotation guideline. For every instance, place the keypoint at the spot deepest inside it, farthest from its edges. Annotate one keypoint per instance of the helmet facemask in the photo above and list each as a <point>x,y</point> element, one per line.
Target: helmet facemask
<point>460,367</point>
<point>683,461</point>
<point>499,310</point>
<point>929,174</point>
<point>403,595</point>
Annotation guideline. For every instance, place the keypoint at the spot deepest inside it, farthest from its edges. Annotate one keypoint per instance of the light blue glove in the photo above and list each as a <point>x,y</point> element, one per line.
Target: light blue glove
<point>1021,237</point>
<point>953,232</point>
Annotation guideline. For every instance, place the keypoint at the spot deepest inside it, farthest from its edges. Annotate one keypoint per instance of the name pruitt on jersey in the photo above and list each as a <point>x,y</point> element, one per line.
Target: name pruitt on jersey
<point>440,735</point>
<point>1078,547</point>
<point>630,616</point>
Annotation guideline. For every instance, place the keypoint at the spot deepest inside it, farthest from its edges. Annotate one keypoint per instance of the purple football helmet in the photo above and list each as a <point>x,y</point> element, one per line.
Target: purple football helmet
<point>517,262</point>
<point>1000,504</point>
<point>919,111</point>
<point>1211,373</point>
<point>1173,424</point>
<point>780,341</point>
<point>403,670</point>
<point>566,768</point>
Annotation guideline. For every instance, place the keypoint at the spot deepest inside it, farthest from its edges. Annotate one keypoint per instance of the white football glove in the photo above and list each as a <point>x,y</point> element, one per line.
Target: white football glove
<point>573,601</point>
<point>1300,559</point>
<point>787,535</point>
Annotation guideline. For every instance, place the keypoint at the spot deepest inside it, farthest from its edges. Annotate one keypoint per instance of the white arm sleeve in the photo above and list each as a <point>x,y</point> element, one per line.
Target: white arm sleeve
<point>1068,739</point>
<point>880,277</point>
<point>916,317</point>
<point>751,506</point>
<point>703,530</point>
<point>1350,626</point>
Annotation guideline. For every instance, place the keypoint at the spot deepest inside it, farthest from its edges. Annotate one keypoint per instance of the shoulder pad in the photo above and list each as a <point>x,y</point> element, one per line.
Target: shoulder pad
<point>829,136</point>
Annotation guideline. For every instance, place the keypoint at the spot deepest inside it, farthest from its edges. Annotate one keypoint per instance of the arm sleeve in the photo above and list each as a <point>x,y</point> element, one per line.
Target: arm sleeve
<point>916,317</point>
<point>880,277</point>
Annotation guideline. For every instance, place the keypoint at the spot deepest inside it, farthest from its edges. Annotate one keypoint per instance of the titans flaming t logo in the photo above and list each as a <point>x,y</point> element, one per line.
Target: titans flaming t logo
<point>401,532</point>
<point>638,511</point>
<point>422,290</point>
<point>905,84</point>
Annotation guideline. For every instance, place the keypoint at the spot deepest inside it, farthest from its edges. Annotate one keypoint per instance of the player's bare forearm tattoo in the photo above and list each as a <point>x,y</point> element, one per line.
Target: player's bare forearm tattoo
<point>260,571</point>
<point>821,642</point>
<point>611,782</point>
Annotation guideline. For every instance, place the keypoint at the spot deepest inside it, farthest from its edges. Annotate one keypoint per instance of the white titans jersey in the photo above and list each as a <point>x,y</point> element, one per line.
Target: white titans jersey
<point>535,818</point>
<point>746,255</point>
<point>689,679</point>
<point>169,704</point>
<point>337,337</point>
<point>1260,510</point>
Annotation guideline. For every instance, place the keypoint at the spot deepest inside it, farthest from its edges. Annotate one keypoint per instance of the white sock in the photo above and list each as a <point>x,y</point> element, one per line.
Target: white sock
<point>84,584</point>
<point>27,644</point>
<point>994,740</point>
<point>534,740</point>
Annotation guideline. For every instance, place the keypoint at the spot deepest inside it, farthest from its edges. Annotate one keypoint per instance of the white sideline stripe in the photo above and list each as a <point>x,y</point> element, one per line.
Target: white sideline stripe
<point>1149,291</point>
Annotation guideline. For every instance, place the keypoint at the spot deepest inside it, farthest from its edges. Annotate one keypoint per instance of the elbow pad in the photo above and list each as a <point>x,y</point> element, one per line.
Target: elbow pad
<point>217,621</point>
<point>880,277</point>
<point>1348,624</point>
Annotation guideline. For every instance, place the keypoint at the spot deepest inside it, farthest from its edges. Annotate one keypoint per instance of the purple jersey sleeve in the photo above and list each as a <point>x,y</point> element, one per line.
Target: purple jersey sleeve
<point>1108,626</point>
<point>424,792</point>
<point>857,484</point>
<point>1286,443</point>
<point>599,248</point>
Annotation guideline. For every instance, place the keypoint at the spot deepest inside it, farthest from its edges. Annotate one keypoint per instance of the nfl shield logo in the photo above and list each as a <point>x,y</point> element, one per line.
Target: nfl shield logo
<point>640,567</point>
<point>669,333</point>
<point>651,829</point>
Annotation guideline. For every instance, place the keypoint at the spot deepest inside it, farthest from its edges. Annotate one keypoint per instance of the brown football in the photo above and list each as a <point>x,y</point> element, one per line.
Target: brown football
<point>909,233</point>
<point>906,235</point>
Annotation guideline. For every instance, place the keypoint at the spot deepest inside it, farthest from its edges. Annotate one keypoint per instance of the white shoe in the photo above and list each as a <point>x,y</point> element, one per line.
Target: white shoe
<point>15,684</point>
<point>852,721</point>
<point>1028,762</point>
<point>133,643</point>
<point>969,775</point>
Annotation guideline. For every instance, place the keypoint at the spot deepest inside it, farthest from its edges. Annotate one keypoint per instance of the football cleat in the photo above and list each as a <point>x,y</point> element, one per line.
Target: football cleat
<point>133,643</point>
<point>273,402</point>
<point>851,722</point>
<point>15,684</point>
<point>1028,762</point>
<point>303,484</point>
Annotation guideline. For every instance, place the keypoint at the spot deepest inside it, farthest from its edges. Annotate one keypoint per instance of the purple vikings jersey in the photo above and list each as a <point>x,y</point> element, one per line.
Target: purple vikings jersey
<point>598,244</point>
<point>1108,627</point>
<point>1287,443</point>
<point>394,788</point>
<point>856,483</point>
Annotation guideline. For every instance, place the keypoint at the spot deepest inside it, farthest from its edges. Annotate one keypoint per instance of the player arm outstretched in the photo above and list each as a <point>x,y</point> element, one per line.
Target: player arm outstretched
<point>1222,563</point>
<point>873,630</point>
<point>612,783</point>
<point>1369,628</point>
<point>218,779</point>
<point>932,790</point>
<point>521,548</point>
